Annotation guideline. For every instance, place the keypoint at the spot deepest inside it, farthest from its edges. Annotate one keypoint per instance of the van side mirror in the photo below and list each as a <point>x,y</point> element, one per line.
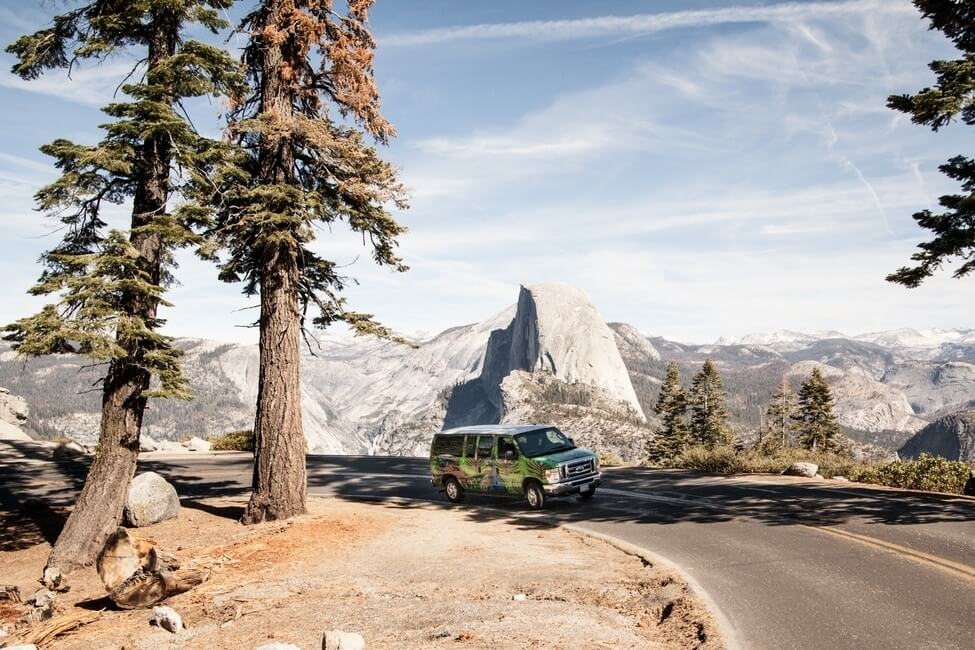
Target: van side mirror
<point>509,455</point>
<point>572,442</point>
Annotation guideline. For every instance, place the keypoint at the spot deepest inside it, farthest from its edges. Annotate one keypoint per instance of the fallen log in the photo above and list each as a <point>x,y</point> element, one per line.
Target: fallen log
<point>137,573</point>
<point>60,626</point>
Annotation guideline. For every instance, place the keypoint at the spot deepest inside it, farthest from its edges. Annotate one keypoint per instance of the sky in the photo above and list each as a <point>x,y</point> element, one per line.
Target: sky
<point>699,169</point>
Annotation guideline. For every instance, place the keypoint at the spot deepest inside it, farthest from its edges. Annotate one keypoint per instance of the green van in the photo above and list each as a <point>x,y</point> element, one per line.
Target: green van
<point>535,461</point>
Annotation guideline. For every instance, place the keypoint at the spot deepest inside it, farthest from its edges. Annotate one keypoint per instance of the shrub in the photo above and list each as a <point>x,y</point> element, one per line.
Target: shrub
<point>242,440</point>
<point>609,459</point>
<point>931,473</point>
<point>729,460</point>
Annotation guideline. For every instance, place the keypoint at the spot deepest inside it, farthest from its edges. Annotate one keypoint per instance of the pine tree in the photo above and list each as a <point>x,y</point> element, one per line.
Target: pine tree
<point>671,406</point>
<point>107,286</point>
<point>780,418</point>
<point>301,170</point>
<point>709,417</point>
<point>953,96</point>
<point>818,427</point>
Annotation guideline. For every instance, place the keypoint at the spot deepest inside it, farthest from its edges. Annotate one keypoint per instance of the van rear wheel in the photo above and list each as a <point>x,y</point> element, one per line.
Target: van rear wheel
<point>455,493</point>
<point>535,495</point>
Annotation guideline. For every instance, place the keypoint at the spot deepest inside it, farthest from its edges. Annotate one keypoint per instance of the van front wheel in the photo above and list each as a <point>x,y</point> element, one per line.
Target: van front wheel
<point>535,495</point>
<point>455,493</point>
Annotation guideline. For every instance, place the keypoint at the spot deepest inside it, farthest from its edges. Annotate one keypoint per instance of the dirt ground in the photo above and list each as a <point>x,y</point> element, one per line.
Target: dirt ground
<point>402,575</point>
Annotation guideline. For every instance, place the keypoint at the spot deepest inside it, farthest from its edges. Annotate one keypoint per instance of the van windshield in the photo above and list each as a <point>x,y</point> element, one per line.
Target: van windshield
<point>543,441</point>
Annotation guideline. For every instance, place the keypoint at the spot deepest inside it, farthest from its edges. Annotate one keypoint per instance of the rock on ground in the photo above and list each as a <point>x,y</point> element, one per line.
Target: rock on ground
<point>339,640</point>
<point>151,499</point>
<point>197,444</point>
<point>167,619</point>
<point>809,470</point>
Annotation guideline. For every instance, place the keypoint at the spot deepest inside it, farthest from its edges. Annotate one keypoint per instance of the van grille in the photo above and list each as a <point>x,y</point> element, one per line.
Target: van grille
<point>580,468</point>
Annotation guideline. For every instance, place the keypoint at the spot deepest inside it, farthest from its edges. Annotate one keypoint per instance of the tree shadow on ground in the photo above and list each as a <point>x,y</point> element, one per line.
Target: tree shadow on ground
<point>670,497</point>
<point>35,492</point>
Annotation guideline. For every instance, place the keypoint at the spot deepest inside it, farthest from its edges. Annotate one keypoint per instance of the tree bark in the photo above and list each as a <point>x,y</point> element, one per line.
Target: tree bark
<point>98,510</point>
<point>279,481</point>
<point>279,440</point>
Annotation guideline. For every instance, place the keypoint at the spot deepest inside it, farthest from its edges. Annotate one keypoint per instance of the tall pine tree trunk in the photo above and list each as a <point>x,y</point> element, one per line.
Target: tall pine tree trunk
<point>279,481</point>
<point>98,510</point>
<point>279,441</point>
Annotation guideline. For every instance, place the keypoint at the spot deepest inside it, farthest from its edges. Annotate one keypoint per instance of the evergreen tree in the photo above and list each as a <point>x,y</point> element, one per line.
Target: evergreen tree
<point>107,285</point>
<point>953,96</point>
<point>671,406</point>
<point>818,427</point>
<point>301,170</point>
<point>780,419</point>
<point>709,417</point>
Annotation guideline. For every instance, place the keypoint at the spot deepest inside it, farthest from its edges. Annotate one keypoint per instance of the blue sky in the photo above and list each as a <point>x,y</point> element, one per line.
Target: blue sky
<point>700,169</point>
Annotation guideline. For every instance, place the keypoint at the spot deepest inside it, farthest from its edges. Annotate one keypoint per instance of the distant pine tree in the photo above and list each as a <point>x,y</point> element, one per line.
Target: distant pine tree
<point>781,419</point>
<point>709,416</point>
<point>952,97</point>
<point>817,423</point>
<point>671,406</point>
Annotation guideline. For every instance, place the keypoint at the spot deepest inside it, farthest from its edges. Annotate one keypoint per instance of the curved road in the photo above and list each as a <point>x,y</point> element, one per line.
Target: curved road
<point>789,563</point>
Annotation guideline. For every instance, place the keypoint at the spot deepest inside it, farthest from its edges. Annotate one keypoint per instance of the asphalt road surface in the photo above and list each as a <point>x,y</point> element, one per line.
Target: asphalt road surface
<point>788,563</point>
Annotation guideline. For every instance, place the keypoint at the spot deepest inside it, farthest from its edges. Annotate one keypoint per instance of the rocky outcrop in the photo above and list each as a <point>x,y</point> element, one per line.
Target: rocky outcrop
<point>593,418</point>
<point>13,416</point>
<point>952,437</point>
<point>862,402</point>
<point>557,331</point>
<point>632,344</point>
<point>934,388</point>
<point>151,499</point>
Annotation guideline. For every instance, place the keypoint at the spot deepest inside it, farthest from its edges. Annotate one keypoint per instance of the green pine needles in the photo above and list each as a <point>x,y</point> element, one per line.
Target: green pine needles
<point>298,169</point>
<point>952,97</point>
<point>673,435</point>
<point>709,415</point>
<point>817,424</point>
<point>107,284</point>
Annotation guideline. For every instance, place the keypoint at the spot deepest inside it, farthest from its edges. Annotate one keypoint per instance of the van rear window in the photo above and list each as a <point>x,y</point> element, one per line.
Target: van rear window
<point>448,446</point>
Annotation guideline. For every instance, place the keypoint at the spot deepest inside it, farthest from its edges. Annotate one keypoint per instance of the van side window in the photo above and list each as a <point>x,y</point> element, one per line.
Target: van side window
<point>505,445</point>
<point>448,446</point>
<point>485,444</point>
<point>470,445</point>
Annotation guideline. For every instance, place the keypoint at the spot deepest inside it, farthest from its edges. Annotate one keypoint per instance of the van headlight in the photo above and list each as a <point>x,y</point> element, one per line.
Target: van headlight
<point>552,475</point>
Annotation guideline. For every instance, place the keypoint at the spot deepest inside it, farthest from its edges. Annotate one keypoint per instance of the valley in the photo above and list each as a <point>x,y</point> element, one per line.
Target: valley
<point>548,357</point>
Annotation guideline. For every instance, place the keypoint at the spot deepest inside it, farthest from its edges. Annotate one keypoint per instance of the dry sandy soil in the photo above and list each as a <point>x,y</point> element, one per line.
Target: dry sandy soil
<point>403,576</point>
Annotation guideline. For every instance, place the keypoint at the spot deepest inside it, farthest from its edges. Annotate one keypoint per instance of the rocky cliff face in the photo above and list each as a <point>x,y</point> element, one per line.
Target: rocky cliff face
<point>13,416</point>
<point>952,436</point>
<point>862,402</point>
<point>556,330</point>
<point>365,395</point>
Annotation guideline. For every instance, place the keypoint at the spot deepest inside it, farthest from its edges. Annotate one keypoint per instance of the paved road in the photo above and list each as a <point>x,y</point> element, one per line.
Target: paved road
<point>790,563</point>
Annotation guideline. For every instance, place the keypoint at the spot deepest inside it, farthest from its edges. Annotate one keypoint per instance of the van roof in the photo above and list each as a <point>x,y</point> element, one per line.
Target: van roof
<point>502,429</point>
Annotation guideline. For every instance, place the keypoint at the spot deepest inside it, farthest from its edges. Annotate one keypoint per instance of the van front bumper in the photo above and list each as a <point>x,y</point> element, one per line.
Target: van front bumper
<point>574,486</point>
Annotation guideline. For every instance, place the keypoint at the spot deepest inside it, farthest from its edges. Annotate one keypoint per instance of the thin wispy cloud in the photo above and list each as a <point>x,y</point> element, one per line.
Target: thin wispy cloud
<point>640,24</point>
<point>89,84</point>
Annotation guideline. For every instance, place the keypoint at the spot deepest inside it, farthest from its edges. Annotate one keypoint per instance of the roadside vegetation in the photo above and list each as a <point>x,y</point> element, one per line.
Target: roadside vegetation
<point>242,440</point>
<point>802,428</point>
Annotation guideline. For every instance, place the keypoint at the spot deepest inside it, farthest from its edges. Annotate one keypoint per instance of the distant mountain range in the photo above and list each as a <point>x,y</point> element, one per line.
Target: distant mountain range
<point>927,343</point>
<point>548,357</point>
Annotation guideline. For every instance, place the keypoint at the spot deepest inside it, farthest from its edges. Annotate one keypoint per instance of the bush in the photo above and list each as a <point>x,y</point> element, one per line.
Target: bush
<point>930,473</point>
<point>242,440</point>
<point>609,459</point>
<point>728,460</point>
